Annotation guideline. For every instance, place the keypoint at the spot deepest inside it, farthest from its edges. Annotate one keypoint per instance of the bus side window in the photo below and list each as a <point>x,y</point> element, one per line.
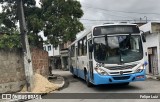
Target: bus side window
<point>90,53</point>
<point>72,53</point>
<point>85,46</point>
<point>82,47</point>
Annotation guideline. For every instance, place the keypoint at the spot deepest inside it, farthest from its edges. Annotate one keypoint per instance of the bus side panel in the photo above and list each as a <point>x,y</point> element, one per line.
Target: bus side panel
<point>81,65</point>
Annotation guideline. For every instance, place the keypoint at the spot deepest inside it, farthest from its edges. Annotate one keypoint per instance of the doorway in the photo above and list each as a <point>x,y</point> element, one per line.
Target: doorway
<point>153,60</point>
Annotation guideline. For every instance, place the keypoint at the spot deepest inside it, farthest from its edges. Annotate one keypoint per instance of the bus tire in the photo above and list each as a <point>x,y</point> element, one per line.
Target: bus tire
<point>72,71</point>
<point>89,84</point>
<point>74,76</point>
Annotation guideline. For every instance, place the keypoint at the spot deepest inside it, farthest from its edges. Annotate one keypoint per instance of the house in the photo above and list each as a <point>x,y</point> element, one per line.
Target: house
<point>152,47</point>
<point>54,55</point>
<point>64,54</point>
<point>58,56</point>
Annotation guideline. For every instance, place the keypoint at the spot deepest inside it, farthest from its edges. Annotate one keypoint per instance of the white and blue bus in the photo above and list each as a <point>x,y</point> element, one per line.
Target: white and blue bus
<point>109,54</point>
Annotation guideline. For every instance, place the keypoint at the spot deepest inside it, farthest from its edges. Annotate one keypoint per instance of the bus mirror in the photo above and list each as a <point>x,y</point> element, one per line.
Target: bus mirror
<point>91,48</point>
<point>143,37</point>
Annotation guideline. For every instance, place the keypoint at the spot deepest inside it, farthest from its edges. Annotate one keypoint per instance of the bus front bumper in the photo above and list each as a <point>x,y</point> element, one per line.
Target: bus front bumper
<point>100,79</point>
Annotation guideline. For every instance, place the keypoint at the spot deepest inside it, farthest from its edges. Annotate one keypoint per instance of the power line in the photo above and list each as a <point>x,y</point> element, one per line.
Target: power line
<point>115,20</point>
<point>119,11</point>
<point>103,20</point>
<point>118,15</point>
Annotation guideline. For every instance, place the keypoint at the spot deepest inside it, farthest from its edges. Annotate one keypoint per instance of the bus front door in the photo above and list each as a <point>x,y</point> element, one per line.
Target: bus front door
<point>77,61</point>
<point>90,61</point>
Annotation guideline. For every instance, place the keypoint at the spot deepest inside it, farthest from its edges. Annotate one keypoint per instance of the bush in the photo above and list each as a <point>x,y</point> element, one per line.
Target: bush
<point>10,41</point>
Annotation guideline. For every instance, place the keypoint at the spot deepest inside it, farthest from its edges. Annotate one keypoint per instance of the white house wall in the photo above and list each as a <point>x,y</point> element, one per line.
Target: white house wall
<point>146,27</point>
<point>50,52</point>
<point>56,51</point>
<point>152,40</point>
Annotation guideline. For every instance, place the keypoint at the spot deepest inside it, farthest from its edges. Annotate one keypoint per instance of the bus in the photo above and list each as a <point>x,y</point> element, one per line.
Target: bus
<point>109,54</point>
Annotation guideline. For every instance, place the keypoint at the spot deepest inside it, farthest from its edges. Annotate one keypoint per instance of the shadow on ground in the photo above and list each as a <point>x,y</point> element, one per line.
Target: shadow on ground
<point>106,88</point>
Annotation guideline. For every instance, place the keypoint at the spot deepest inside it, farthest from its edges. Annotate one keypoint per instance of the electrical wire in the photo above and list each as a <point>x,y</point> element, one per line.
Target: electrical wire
<point>119,11</point>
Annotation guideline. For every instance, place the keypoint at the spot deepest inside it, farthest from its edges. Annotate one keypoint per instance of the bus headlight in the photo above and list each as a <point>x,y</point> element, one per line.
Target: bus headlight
<point>100,71</point>
<point>140,69</point>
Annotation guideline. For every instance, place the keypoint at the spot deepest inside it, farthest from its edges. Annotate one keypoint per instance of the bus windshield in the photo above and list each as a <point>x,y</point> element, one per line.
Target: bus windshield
<point>118,49</point>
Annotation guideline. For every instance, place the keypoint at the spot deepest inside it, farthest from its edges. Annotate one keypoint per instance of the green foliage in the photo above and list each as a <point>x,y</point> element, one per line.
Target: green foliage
<point>14,40</point>
<point>59,19</point>
<point>9,18</point>
<point>10,41</point>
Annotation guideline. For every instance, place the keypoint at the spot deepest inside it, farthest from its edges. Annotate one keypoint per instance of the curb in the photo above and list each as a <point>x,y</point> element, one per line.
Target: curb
<point>63,82</point>
<point>153,77</point>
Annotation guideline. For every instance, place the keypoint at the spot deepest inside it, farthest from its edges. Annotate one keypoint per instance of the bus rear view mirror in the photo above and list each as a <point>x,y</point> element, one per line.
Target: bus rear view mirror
<point>143,37</point>
<point>91,48</point>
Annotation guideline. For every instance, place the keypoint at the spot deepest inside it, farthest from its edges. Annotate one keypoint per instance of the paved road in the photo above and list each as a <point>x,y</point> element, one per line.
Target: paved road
<point>77,85</point>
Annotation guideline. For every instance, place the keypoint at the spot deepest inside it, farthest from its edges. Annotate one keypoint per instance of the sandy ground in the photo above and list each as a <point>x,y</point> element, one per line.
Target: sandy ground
<point>42,85</point>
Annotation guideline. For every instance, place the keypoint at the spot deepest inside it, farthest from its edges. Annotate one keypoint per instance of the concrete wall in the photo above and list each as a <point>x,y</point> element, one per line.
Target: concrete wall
<point>12,76</point>
<point>40,61</point>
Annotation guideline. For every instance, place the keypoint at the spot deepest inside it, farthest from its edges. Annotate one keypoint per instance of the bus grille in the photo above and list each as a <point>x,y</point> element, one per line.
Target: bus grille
<point>121,67</point>
<point>121,78</point>
<point>124,72</point>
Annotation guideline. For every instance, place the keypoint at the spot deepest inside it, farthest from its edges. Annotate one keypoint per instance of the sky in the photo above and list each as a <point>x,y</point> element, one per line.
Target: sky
<point>105,11</point>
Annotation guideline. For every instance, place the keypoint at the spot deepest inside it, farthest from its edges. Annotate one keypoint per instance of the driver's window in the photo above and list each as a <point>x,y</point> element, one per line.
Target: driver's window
<point>113,42</point>
<point>134,43</point>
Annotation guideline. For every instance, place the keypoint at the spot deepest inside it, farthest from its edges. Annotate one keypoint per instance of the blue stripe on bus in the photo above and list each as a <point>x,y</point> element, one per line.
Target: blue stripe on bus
<point>99,79</point>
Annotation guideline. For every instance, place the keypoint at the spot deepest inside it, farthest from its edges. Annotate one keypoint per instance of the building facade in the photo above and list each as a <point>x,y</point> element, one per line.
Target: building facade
<point>58,55</point>
<point>64,55</point>
<point>54,56</point>
<point>152,47</point>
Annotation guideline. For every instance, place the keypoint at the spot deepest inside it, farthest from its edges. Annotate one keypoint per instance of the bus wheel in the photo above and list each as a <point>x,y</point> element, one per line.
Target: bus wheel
<point>74,76</point>
<point>72,71</point>
<point>89,84</point>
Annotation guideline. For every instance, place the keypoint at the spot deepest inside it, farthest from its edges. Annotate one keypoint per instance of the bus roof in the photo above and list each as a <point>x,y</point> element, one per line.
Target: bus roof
<point>83,33</point>
<point>110,24</point>
<point>87,31</point>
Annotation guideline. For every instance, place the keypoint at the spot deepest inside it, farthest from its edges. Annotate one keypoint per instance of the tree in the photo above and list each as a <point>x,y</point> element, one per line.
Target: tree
<point>17,14</point>
<point>59,19</point>
<point>10,41</point>
<point>9,18</point>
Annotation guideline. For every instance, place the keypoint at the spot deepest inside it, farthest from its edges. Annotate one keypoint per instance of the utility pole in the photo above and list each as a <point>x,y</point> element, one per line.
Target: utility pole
<point>25,46</point>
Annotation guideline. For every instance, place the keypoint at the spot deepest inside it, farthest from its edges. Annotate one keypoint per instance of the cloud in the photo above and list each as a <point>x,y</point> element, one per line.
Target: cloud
<point>106,10</point>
